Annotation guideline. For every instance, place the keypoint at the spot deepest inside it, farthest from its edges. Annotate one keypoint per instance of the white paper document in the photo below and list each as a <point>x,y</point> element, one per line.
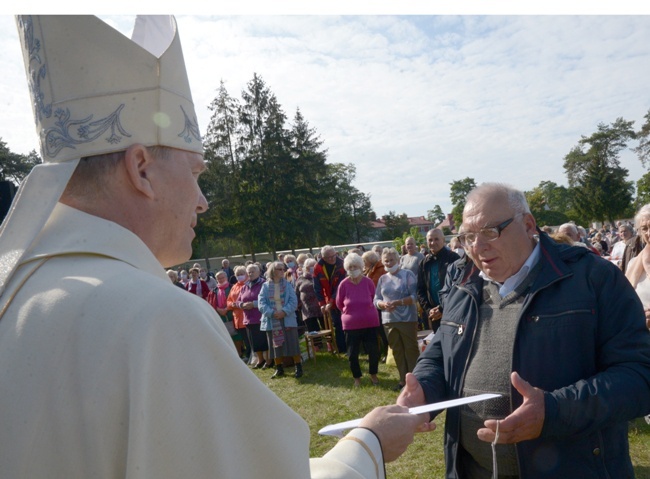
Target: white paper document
<point>337,429</point>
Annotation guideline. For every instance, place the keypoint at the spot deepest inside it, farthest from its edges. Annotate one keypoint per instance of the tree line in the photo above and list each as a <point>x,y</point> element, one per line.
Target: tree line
<point>268,181</point>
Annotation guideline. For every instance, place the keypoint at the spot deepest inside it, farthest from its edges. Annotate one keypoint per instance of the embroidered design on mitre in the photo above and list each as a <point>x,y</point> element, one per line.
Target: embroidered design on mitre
<point>191,129</point>
<point>134,84</point>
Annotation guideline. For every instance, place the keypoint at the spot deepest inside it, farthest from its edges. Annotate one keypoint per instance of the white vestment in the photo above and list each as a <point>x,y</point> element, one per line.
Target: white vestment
<point>108,370</point>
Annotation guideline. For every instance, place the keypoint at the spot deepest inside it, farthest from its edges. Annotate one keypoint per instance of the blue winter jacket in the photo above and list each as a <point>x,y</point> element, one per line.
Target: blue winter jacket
<point>581,338</point>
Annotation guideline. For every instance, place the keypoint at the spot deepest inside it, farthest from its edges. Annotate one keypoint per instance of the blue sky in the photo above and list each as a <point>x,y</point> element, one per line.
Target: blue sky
<point>414,102</point>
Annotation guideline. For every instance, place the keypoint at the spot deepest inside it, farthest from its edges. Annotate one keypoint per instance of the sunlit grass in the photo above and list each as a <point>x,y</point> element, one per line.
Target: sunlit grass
<point>324,395</point>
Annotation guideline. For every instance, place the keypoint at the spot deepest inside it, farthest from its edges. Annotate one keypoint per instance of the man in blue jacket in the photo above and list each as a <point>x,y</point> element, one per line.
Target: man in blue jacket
<point>557,331</point>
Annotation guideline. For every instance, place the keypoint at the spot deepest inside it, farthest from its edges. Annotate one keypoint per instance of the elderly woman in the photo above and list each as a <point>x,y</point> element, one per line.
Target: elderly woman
<point>173,277</point>
<point>359,317</point>
<point>307,301</point>
<point>210,281</point>
<point>196,285</point>
<point>396,298</point>
<point>291,272</point>
<point>247,301</point>
<point>183,277</point>
<point>218,299</point>
<point>277,303</point>
<point>456,247</point>
<point>302,257</point>
<point>372,266</point>
<point>238,313</point>
<point>638,271</point>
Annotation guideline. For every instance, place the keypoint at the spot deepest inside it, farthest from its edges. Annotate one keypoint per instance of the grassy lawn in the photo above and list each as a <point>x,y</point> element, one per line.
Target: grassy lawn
<point>324,395</point>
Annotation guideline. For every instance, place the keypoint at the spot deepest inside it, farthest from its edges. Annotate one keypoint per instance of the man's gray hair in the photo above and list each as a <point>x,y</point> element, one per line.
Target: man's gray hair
<point>436,231</point>
<point>642,214</point>
<point>326,249</point>
<point>515,198</point>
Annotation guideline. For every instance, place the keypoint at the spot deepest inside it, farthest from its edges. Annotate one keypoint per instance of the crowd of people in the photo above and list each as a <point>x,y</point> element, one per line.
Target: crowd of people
<point>376,299</point>
<point>379,299</point>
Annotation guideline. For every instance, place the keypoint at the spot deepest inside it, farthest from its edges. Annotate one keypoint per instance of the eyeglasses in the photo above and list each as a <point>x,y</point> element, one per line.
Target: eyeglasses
<point>488,234</point>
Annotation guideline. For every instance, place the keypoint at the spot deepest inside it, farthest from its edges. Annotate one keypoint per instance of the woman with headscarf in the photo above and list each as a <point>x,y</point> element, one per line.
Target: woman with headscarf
<point>277,303</point>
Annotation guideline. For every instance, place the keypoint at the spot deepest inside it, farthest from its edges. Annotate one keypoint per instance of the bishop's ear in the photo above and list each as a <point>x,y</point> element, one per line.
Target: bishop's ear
<point>139,162</point>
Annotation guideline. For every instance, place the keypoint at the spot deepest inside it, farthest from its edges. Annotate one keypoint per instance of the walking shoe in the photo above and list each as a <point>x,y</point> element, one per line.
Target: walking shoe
<point>298,373</point>
<point>279,371</point>
<point>261,365</point>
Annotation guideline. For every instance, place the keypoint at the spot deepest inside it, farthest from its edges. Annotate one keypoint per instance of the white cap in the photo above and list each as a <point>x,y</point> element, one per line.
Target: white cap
<point>94,91</point>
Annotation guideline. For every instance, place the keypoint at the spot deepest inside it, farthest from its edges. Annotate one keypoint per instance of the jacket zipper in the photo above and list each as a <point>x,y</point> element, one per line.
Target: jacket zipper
<point>469,355</point>
<point>451,323</point>
<point>556,315</point>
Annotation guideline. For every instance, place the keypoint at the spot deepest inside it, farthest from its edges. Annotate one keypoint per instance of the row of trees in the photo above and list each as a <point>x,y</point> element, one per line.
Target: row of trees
<point>598,186</point>
<point>268,181</point>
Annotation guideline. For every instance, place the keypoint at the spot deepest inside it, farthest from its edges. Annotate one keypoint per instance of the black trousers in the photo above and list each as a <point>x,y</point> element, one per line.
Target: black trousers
<point>355,338</point>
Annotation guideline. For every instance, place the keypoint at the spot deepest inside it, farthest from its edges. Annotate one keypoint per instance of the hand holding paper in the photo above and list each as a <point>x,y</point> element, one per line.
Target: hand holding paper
<point>337,429</point>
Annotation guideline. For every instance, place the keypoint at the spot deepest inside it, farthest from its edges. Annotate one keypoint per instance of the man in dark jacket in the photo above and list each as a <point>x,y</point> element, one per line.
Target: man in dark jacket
<point>557,331</point>
<point>431,276</point>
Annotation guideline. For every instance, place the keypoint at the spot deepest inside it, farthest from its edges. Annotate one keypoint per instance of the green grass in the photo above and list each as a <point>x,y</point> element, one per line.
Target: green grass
<point>324,395</point>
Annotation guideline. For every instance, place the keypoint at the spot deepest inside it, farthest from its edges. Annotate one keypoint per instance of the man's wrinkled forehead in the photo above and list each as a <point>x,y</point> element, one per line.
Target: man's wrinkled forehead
<point>484,211</point>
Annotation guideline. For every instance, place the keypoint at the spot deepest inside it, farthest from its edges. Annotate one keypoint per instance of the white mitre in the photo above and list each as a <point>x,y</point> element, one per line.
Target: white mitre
<point>94,91</point>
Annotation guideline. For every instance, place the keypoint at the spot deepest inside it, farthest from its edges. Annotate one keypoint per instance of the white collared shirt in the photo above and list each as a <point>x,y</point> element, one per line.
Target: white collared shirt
<point>509,285</point>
